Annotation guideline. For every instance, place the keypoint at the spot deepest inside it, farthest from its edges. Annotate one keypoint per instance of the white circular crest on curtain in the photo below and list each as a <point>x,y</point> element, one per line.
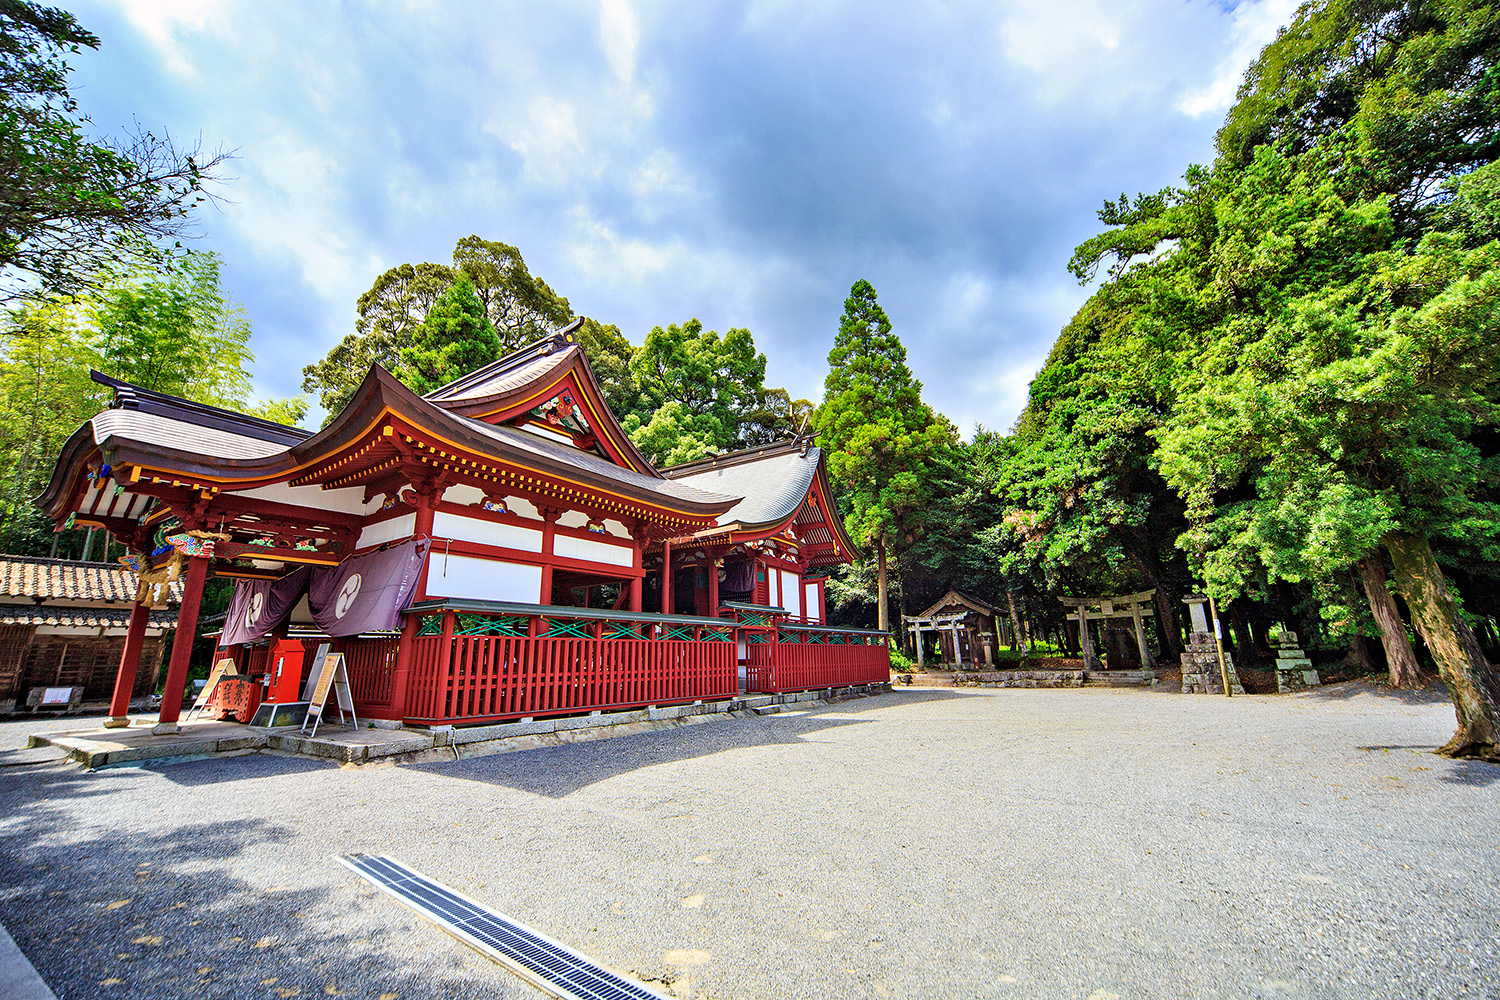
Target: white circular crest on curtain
<point>347,594</point>
<point>254,609</point>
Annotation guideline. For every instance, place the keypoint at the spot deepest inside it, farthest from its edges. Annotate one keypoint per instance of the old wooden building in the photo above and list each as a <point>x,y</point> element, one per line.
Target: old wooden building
<point>63,623</point>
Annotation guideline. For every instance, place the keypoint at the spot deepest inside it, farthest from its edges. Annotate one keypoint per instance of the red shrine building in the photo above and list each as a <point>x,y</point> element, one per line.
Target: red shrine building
<point>496,549</point>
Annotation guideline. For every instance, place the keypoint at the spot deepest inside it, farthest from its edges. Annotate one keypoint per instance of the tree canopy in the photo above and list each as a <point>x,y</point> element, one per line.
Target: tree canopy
<point>73,207</point>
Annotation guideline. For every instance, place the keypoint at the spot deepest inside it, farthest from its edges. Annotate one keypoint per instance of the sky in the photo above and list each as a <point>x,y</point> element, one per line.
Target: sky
<point>741,163</point>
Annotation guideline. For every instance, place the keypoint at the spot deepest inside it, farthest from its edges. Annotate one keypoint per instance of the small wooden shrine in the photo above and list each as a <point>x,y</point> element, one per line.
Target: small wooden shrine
<point>479,553</point>
<point>967,629</point>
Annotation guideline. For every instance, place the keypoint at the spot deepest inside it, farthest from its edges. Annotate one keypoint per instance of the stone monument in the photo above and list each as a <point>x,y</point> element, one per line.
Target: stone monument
<point>1200,660</point>
<point>1294,671</point>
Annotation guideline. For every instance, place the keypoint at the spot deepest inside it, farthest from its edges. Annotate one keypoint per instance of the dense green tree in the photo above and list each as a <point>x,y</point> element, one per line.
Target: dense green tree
<point>880,438</point>
<point>697,392</point>
<point>173,332</point>
<point>72,207</point>
<point>520,307</point>
<point>453,339</point>
<point>1319,308</point>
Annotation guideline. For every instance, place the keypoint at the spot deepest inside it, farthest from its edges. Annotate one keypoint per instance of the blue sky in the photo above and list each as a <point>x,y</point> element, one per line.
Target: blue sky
<point>742,163</point>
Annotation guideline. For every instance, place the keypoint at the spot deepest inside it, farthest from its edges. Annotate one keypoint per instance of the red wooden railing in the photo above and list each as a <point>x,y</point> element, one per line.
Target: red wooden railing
<point>606,664</point>
<point>371,664</point>
<point>805,659</point>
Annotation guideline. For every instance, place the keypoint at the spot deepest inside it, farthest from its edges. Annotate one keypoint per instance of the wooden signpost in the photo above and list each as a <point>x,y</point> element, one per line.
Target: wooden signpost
<point>223,668</point>
<point>331,674</point>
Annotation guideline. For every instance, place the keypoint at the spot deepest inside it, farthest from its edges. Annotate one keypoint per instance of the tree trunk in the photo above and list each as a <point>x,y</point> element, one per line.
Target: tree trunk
<point>883,613</point>
<point>1359,653</point>
<point>1405,671</point>
<point>1472,680</point>
<point>1015,623</point>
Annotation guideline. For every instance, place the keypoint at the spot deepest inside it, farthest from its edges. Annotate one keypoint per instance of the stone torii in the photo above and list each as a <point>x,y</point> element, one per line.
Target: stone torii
<point>1104,608</point>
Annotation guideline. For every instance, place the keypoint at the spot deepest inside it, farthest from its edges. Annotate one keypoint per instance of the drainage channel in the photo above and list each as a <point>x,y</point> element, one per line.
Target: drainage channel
<point>547,964</point>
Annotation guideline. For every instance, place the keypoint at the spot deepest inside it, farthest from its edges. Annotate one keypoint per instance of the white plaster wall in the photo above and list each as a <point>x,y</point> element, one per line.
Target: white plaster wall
<point>482,579</point>
<point>388,531</point>
<point>587,548</point>
<point>473,529</point>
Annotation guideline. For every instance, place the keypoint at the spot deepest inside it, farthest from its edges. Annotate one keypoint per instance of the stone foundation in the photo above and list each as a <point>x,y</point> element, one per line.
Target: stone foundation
<point>1294,671</point>
<point>1200,667</point>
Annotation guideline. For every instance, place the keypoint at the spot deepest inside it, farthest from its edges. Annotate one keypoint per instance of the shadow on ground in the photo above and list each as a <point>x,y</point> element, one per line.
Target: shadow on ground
<point>559,771</point>
<point>127,915</point>
<point>1435,693</point>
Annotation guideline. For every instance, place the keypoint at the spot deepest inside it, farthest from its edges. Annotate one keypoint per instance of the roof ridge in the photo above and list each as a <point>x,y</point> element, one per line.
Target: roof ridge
<point>129,396</point>
<point>783,446</point>
<point>555,343</point>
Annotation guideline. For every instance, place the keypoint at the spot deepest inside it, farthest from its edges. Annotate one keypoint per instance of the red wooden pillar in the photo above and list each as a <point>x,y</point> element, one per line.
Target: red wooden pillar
<point>130,659</point>
<point>549,536</point>
<point>401,675</point>
<point>182,645</point>
<point>666,576</point>
<point>713,586</point>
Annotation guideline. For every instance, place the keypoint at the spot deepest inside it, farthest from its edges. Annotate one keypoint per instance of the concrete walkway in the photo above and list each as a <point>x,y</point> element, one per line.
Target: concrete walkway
<point>18,980</point>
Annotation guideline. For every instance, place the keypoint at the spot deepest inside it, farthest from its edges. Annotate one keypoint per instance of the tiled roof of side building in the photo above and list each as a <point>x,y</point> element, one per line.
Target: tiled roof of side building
<point>773,480</point>
<point>57,580</point>
<point>30,614</point>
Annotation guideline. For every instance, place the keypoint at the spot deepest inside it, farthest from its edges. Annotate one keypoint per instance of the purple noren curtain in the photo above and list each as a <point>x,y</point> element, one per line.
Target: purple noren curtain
<point>259,607</point>
<point>367,593</point>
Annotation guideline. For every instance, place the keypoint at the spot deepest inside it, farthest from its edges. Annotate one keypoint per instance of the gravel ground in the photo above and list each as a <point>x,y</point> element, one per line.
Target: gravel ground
<point>1086,844</point>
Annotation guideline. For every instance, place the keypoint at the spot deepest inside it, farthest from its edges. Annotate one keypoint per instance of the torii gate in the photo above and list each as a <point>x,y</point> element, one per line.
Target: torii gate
<point>1125,606</point>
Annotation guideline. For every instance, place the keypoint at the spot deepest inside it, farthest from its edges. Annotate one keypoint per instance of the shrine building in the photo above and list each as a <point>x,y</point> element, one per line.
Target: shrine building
<point>496,549</point>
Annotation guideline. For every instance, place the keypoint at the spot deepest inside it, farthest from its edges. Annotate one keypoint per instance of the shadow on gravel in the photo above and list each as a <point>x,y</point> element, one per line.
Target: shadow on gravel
<point>1475,773</point>
<point>898,696</point>
<point>215,770</point>
<point>558,771</point>
<point>1434,694</point>
<point>132,916</point>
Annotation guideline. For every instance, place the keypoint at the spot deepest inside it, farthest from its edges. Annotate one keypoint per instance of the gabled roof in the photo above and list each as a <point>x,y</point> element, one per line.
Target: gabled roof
<point>956,597</point>
<point>773,479</point>
<point>784,483</point>
<point>384,427</point>
<point>528,378</point>
<point>61,580</point>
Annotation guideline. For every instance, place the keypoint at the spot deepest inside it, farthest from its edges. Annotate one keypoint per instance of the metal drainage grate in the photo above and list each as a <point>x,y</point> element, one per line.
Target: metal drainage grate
<point>547,964</point>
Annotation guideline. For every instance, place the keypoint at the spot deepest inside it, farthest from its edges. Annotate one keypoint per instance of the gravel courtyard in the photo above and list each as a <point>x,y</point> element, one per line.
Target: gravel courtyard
<point>1088,844</point>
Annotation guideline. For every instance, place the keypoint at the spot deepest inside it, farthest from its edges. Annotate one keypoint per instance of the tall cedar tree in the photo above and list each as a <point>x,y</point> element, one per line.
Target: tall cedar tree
<point>881,439</point>
<point>454,339</point>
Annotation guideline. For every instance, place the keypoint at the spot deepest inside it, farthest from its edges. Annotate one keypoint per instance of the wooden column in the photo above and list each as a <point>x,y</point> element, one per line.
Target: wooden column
<point>921,661</point>
<point>635,594</point>
<point>182,645</point>
<point>666,576</point>
<point>713,586</point>
<point>401,675</point>
<point>549,533</point>
<point>1147,662</point>
<point>130,659</point>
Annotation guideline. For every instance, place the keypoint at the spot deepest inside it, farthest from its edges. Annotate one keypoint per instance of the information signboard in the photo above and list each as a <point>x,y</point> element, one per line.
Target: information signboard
<point>223,668</point>
<point>332,675</point>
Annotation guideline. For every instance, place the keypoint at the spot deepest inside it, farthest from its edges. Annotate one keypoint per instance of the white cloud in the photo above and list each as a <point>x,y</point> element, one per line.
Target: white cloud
<point>620,34</point>
<point>1254,27</point>
<point>164,23</point>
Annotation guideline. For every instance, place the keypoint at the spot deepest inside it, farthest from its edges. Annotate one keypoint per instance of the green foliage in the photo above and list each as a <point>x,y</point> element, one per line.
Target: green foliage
<point>173,332</point>
<point>454,339</point>
<point>882,442</point>
<point>520,308</point>
<point>72,208</point>
<point>697,392</point>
